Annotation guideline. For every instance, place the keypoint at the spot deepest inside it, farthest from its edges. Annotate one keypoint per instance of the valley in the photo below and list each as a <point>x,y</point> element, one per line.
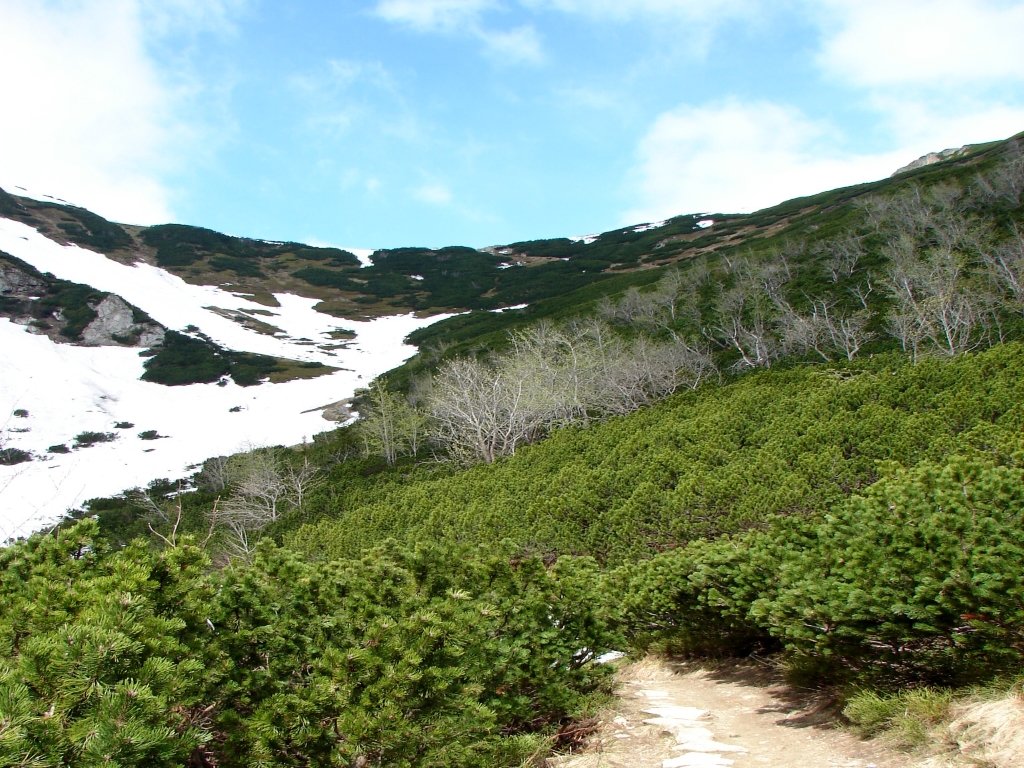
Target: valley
<point>792,435</point>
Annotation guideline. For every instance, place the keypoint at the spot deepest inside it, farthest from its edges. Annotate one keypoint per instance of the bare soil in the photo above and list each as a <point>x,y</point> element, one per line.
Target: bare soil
<point>679,715</point>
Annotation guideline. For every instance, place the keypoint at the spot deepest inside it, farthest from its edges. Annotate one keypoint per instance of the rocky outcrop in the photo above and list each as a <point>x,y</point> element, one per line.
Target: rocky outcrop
<point>931,158</point>
<point>18,283</point>
<point>115,324</point>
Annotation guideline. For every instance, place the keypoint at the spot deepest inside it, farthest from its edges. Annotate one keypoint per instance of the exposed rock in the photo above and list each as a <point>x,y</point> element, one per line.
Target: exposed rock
<point>17,282</point>
<point>931,158</point>
<point>115,324</point>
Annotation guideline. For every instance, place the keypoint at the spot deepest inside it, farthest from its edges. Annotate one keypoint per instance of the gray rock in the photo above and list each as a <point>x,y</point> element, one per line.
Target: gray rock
<point>115,324</point>
<point>15,282</point>
<point>931,158</point>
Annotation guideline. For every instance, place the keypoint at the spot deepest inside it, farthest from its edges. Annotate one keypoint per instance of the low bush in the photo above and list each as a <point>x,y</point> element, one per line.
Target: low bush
<point>12,456</point>
<point>433,656</point>
<point>87,439</point>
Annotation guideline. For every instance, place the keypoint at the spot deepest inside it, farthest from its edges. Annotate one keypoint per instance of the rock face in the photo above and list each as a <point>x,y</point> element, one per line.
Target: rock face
<point>931,158</point>
<point>18,283</point>
<point>115,324</point>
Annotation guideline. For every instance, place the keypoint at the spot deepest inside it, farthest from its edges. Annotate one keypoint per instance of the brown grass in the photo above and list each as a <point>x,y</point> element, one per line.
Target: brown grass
<point>990,733</point>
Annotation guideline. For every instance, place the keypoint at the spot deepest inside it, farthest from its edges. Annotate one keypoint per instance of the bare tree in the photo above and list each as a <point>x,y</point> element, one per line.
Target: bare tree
<point>933,300</point>
<point>1005,182</point>
<point>259,495</point>
<point>743,323</point>
<point>301,480</point>
<point>862,291</point>
<point>842,255</point>
<point>1004,266</point>
<point>478,410</point>
<point>801,333</point>
<point>215,474</point>
<point>848,331</point>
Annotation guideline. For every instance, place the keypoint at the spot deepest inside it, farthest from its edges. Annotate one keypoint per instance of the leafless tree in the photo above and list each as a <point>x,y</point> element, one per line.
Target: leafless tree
<point>932,298</point>
<point>215,474</point>
<point>301,480</point>
<point>1005,182</point>
<point>801,332</point>
<point>863,290</point>
<point>260,493</point>
<point>743,323</point>
<point>842,255</point>
<point>478,410</point>
<point>1004,266</point>
<point>848,331</point>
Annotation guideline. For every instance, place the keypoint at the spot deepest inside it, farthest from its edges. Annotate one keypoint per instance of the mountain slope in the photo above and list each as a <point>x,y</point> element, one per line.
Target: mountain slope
<point>237,310</point>
<point>65,390</point>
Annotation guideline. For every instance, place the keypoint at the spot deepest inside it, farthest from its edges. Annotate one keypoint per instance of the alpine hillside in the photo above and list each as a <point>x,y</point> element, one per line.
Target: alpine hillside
<point>794,435</point>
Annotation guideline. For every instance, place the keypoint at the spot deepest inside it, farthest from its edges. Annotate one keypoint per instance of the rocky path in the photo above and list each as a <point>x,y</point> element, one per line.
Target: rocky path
<point>680,716</point>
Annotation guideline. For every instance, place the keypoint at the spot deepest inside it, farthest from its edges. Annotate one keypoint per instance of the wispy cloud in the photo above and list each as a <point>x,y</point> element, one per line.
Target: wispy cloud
<point>933,72</point>
<point>434,193</point>
<point>520,45</point>
<point>342,95</point>
<point>621,10</point>
<point>434,15</point>
<point>517,45</point>
<point>90,116</point>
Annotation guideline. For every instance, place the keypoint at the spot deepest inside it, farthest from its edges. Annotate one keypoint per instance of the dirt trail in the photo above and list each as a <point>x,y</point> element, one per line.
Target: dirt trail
<point>686,716</point>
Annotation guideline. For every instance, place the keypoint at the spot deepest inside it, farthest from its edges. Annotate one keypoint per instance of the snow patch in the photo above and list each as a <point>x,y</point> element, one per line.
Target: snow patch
<point>363,254</point>
<point>649,227</point>
<point>69,389</point>
<point>705,223</point>
<point>507,309</point>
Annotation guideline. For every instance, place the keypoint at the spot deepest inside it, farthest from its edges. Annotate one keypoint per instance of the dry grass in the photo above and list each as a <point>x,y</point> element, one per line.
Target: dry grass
<point>990,733</point>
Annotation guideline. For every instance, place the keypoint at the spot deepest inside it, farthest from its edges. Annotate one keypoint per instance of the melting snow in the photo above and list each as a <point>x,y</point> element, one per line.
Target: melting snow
<point>649,227</point>
<point>705,223</point>
<point>68,389</point>
<point>514,306</point>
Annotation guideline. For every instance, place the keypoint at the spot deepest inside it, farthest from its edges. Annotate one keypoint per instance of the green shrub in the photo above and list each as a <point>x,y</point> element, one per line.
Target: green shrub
<point>434,656</point>
<point>12,456</point>
<point>917,580</point>
<point>87,439</point>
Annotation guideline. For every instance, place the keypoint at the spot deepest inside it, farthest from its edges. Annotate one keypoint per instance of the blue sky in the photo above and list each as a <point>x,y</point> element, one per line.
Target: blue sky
<point>383,123</point>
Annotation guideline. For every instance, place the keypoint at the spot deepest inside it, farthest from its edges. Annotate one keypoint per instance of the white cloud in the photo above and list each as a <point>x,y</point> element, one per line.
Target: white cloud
<point>935,43</point>
<point>622,10</point>
<point>88,114</point>
<point>433,15</point>
<point>434,193</point>
<point>519,45</point>
<point>930,125</point>
<point>167,16</point>
<point>734,157</point>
